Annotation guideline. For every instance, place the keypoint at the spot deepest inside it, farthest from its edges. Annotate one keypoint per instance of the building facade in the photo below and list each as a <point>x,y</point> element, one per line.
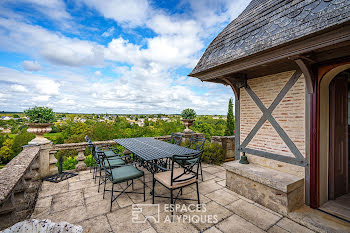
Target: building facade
<point>288,64</point>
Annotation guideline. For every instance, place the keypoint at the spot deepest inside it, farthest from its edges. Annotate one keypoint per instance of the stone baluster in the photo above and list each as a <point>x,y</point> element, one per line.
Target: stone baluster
<point>81,157</point>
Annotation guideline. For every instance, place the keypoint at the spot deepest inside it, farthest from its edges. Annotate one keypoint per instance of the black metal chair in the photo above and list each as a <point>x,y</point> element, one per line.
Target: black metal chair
<point>175,138</point>
<point>120,174</point>
<point>115,160</point>
<point>197,143</point>
<point>179,177</point>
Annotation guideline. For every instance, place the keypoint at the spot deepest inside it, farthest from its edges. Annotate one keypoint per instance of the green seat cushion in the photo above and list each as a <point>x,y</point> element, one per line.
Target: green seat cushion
<point>109,153</point>
<point>113,162</point>
<point>125,173</point>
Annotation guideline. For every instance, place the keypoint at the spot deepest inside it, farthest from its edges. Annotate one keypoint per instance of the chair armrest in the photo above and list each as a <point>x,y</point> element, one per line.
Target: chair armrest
<point>162,168</point>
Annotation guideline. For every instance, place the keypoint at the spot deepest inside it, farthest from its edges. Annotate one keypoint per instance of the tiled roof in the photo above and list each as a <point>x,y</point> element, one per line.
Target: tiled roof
<point>265,24</point>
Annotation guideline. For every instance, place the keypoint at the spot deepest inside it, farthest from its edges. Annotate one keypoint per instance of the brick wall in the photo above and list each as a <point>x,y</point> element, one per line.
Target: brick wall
<point>290,114</point>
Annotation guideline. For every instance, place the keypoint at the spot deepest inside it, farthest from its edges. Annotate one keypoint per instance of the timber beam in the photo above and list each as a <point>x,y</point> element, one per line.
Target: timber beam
<point>304,64</point>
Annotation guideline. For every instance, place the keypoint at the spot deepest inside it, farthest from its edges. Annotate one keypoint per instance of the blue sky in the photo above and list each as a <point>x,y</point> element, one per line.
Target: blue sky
<point>110,56</point>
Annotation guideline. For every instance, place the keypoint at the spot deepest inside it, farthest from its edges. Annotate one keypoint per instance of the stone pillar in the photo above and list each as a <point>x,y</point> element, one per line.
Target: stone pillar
<point>81,157</point>
<point>45,169</point>
<point>52,160</point>
<point>228,145</point>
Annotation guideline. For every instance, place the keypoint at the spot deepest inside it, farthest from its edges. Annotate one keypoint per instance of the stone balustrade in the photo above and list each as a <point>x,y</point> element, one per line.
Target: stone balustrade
<point>21,178</point>
<point>19,184</point>
<point>80,148</point>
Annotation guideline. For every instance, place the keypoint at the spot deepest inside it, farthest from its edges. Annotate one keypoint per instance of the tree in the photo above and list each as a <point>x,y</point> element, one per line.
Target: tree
<point>230,122</point>
<point>20,140</point>
<point>6,151</point>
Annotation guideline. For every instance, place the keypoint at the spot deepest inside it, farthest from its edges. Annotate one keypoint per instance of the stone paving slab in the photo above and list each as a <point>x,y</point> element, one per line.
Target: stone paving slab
<point>77,201</point>
<point>250,212</point>
<point>237,224</point>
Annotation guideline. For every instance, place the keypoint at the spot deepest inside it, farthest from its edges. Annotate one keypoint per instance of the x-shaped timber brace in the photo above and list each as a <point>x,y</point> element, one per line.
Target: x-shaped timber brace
<point>240,82</point>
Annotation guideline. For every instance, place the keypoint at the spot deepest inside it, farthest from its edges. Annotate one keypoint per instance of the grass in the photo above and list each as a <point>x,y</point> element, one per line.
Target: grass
<point>2,165</point>
<point>12,135</point>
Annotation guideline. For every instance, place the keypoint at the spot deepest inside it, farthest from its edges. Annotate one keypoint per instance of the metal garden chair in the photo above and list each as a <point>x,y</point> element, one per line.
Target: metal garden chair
<point>175,138</point>
<point>120,174</point>
<point>116,159</point>
<point>197,143</point>
<point>179,177</point>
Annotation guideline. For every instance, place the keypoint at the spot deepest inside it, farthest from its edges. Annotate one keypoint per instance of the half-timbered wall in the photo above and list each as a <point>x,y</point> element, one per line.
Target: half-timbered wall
<point>289,115</point>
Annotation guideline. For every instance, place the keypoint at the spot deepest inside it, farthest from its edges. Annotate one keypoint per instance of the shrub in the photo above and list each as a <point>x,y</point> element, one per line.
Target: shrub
<point>188,113</point>
<point>90,161</point>
<point>40,115</point>
<point>69,163</point>
<point>213,154</point>
<point>69,159</point>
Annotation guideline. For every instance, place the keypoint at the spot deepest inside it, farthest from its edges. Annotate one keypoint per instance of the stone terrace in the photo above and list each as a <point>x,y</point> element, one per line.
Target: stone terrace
<point>77,201</point>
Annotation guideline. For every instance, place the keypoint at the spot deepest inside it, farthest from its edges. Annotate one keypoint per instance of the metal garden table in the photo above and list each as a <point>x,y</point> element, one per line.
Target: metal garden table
<point>151,152</point>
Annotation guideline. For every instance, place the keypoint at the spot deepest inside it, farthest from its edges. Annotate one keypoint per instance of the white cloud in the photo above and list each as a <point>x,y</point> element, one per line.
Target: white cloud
<point>31,65</point>
<point>109,32</point>
<point>139,89</point>
<point>41,98</point>
<point>55,9</point>
<point>129,13</point>
<point>19,88</point>
<point>146,79</point>
<point>66,102</point>
<point>21,37</point>
<point>47,87</point>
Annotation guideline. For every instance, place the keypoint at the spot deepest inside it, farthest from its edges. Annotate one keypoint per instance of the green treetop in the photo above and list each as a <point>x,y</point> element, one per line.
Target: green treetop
<point>230,125</point>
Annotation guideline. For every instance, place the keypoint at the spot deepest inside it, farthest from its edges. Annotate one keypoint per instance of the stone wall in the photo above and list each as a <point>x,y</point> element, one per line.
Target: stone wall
<point>228,145</point>
<point>19,184</point>
<point>290,114</point>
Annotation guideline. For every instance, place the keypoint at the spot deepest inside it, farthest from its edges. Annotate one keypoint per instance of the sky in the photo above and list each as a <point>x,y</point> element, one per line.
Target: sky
<point>110,56</point>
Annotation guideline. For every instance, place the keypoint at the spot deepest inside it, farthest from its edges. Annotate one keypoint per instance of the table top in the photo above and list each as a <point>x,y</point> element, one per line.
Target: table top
<point>151,149</point>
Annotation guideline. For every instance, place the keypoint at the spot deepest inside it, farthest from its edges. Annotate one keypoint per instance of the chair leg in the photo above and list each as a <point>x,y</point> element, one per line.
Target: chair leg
<point>144,188</point>
<point>153,190</point>
<point>112,197</point>
<point>104,187</point>
<point>132,185</point>
<point>181,191</point>
<point>99,181</point>
<point>171,203</point>
<point>200,164</point>
<point>198,193</point>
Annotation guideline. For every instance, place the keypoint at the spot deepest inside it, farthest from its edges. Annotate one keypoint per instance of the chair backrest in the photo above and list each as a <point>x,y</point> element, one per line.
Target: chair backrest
<point>176,138</point>
<point>190,165</point>
<point>91,147</point>
<point>87,138</point>
<point>197,142</point>
<point>104,162</point>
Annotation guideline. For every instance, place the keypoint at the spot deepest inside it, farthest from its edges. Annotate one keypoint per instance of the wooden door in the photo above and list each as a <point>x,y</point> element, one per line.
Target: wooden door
<point>338,121</point>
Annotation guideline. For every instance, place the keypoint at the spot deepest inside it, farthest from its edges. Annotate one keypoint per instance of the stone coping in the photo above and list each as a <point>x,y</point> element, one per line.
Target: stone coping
<point>13,172</point>
<point>272,178</point>
<point>79,145</point>
<point>222,137</point>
